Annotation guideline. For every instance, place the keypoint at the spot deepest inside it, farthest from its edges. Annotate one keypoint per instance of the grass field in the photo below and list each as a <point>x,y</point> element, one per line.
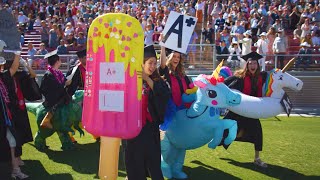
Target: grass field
<point>291,149</point>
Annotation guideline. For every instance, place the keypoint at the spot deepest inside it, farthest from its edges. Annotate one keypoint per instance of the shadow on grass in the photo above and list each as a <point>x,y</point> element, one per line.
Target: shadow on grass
<point>204,171</point>
<point>83,159</point>
<point>274,171</point>
<point>36,171</point>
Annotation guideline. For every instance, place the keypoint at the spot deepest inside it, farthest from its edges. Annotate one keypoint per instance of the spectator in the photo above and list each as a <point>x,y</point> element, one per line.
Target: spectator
<point>306,28</point>
<point>62,49</point>
<point>81,40</point>
<point>246,43</point>
<point>262,49</point>
<point>234,57</point>
<point>200,10</point>
<point>31,51</point>
<point>71,41</point>
<point>222,51</point>
<point>42,50</point>
<point>60,32</point>
<point>157,31</point>
<point>306,60</point>
<point>225,36</point>
<point>69,29</point>
<point>53,37</point>
<point>31,21</point>
<point>237,31</point>
<point>208,33</point>
<point>44,32</point>
<point>22,19</point>
<point>315,39</point>
<point>280,46</point>
<point>277,25</point>
<point>307,39</point>
<point>148,33</point>
<point>37,22</point>
<point>297,32</point>
<point>220,22</point>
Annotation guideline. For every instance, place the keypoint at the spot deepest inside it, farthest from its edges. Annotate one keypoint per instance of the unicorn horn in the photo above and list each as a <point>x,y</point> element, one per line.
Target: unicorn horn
<point>217,70</point>
<point>288,65</point>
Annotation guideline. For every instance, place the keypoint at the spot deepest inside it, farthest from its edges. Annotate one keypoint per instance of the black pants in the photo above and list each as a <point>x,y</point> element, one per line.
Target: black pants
<point>280,59</point>
<point>143,153</point>
<point>249,130</point>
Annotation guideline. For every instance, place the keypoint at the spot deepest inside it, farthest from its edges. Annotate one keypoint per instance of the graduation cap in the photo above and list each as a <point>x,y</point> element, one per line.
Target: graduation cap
<point>52,56</point>
<point>81,53</point>
<point>149,52</point>
<point>252,56</point>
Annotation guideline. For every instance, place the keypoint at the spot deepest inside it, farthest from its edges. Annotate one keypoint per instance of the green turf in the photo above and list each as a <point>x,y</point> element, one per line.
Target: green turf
<point>291,148</point>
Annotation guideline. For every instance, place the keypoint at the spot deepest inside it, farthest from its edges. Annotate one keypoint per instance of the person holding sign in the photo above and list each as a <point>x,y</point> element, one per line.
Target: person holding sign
<point>143,152</point>
<point>172,69</point>
<point>249,81</point>
<point>53,87</point>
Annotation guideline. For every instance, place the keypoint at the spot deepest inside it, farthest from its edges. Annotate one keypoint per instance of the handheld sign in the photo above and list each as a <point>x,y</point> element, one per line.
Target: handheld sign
<point>286,104</point>
<point>113,85</point>
<point>178,31</point>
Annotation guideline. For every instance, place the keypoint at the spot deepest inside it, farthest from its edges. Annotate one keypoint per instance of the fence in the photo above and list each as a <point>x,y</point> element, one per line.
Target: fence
<point>205,57</point>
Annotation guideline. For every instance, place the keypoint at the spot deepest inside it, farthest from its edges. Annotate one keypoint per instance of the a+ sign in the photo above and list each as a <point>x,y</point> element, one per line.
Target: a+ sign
<point>190,22</point>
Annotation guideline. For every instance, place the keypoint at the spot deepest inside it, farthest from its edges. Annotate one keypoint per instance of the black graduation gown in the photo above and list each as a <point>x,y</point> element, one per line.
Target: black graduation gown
<point>5,154</point>
<point>77,81</point>
<point>249,130</point>
<point>53,91</point>
<point>143,153</point>
<point>21,119</point>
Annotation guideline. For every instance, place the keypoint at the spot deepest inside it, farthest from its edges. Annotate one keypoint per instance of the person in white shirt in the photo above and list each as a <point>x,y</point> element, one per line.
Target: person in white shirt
<point>22,19</point>
<point>262,49</point>
<point>246,43</point>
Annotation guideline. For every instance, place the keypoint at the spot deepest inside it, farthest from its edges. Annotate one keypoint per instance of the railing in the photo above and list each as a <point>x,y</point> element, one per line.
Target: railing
<point>205,59</point>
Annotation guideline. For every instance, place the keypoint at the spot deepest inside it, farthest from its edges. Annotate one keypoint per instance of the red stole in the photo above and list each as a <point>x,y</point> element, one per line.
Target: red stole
<point>21,102</point>
<point>145,111</point>
<point>175,89</point>
<point>247,86</point>
<point>82,73</point>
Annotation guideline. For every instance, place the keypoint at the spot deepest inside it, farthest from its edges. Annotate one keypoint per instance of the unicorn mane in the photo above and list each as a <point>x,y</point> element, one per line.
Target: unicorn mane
<point>269,81</point>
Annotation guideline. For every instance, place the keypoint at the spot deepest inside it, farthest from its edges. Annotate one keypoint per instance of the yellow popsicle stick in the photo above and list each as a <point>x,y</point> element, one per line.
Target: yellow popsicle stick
<point>109,158</point>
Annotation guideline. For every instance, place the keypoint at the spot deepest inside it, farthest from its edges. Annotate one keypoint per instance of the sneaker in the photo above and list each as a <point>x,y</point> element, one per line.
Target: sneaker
<point>260,163</point>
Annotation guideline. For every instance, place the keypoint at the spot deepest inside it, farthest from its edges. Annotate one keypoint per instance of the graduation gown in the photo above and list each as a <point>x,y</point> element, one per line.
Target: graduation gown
<point>249,130</point>
<point>21,119</point>
<point>143,152</point>
<point>5,154</point>
<point>77,81</point>
<point>178,85</point>
<point>53,91</point>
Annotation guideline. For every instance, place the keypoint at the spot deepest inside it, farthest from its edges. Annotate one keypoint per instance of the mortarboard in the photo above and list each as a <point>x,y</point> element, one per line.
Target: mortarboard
<point>81,53</point>
<point>51,55</point>
<point>149,52</point>
<point>252,56</point>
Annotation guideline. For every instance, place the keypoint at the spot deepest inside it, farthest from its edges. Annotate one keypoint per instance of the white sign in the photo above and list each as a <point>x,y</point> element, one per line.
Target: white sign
<point>112,72</point>
<point>111,100</point>
<point>72,73</point>
<point>177,32</point>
